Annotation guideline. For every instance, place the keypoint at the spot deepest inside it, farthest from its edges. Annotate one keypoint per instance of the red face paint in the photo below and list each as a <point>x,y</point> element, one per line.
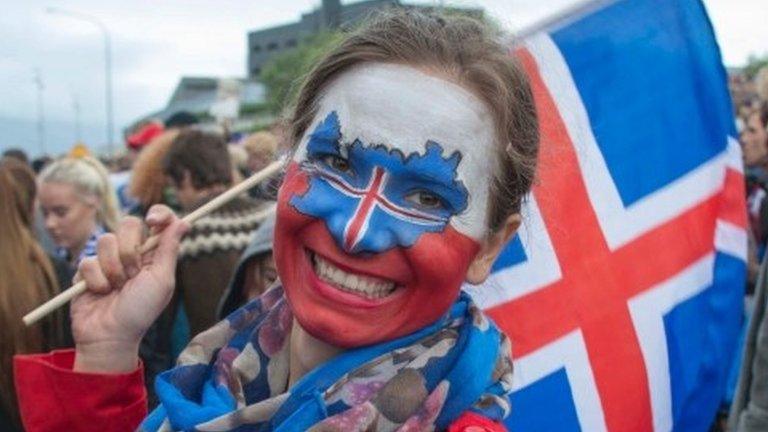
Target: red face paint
<point>427,276</point>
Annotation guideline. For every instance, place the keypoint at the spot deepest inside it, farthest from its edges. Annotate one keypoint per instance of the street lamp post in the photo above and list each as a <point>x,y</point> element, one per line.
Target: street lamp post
<point>76,109</point>
<point>107,65</point>
<point>40,111</point>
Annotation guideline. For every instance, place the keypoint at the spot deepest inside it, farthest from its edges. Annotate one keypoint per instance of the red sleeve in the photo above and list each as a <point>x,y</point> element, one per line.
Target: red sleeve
<point>473,422</point>
<point>52,397</point>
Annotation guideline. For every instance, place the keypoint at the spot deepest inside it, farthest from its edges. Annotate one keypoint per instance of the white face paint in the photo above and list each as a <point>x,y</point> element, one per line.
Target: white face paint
<point>404,108</point>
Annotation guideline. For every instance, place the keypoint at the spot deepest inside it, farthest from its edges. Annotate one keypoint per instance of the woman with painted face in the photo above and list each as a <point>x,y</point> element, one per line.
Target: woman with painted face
<point>415,143</point>
<point>78,205</point>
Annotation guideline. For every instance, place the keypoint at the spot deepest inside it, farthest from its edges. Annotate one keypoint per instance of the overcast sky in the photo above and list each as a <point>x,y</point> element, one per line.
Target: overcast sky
<point>156,42</point>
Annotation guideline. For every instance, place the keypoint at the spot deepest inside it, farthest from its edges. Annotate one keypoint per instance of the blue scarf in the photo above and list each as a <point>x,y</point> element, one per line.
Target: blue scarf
<point>235,377</point>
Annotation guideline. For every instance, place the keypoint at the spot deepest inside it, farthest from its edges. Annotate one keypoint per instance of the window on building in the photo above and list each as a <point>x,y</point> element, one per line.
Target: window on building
<point>290,43</point>
<point>256,48</point>
<point>272,46</point>
<point>255,71</point>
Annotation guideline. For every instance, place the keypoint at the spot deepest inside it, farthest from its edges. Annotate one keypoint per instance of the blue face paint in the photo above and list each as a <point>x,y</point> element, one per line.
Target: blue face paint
<point>374,198</point>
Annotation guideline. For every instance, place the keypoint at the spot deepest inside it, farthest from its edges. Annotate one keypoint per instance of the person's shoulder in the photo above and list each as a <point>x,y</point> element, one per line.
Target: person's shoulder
<point>228,228</point>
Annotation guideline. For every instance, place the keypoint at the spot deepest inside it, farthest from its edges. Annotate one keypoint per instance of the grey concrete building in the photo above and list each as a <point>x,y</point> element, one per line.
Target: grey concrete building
<point>198,94</point>
<point>266,43</point>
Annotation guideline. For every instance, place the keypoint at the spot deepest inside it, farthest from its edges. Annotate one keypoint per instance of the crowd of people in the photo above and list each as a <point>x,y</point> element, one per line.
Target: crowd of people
<point>746,396</point>
<point>57,209</point>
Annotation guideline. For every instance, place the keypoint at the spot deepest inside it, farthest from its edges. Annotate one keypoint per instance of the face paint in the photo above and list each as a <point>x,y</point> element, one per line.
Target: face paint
<point>384,204</point>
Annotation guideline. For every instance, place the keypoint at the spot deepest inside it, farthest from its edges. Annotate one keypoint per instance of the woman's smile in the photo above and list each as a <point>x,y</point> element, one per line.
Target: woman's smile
<point>365,282</point>
<point>362,285</point>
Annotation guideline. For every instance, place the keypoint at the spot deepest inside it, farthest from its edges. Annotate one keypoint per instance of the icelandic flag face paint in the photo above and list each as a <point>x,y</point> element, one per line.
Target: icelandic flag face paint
<point>373,198</point>
<point>383,206</point>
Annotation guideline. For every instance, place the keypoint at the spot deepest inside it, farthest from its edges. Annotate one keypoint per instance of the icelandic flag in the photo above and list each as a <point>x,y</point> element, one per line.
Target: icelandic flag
<point>622,293</point>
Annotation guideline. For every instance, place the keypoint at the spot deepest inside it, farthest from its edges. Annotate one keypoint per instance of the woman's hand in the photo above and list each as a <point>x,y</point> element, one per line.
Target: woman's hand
<point>126,292</point>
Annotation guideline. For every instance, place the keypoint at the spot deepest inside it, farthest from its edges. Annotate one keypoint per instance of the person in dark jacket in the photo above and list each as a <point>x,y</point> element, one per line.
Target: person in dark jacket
<point>199,168</point>
<point>749,411</point>
<point>255,271</point>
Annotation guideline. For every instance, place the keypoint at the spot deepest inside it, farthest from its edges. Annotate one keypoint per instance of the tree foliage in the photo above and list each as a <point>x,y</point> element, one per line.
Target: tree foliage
<point>282,75</point>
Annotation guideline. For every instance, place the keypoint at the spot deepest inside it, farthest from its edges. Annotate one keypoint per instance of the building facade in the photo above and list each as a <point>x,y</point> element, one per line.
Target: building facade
<point>197,95</point>
<point>266,43</point>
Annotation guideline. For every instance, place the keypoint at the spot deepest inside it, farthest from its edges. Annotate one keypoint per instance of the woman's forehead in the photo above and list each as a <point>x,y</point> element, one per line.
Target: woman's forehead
<point>62,194</point>
<point>403,107</point>
<point>57,191</point>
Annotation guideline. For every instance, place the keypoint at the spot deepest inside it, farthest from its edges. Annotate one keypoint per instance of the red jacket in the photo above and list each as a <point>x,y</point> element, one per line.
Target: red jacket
<point>53,397</point>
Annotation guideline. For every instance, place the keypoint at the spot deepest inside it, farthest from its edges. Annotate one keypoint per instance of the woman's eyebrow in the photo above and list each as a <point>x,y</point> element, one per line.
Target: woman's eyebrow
<point>429,178</point>
<point>323,144</point>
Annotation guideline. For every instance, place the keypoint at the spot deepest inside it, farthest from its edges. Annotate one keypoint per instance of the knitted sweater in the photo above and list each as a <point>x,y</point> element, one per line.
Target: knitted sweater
<point>208,255</point>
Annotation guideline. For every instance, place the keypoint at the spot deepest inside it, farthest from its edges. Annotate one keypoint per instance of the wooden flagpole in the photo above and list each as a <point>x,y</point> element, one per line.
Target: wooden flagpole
<point>152,242</point>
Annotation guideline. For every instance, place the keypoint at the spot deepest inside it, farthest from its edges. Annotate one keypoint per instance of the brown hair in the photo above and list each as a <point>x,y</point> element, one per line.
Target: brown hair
<point>148,178</point>
<point>24,178</point>
<point>203,154</point>
<point>27,281</point>
<point>464,50</point>
<point>762,113</point>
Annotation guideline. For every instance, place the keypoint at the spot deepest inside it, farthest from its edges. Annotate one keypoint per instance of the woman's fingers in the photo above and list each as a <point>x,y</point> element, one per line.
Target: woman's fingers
<point>130,235</point>
<point>95,280</point>
<point>119,256</point>
<point>109,260</point>
<point>159,216</point>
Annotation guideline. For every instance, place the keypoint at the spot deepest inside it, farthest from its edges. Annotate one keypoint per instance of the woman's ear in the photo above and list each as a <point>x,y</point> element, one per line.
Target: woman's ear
<point>480,267</point>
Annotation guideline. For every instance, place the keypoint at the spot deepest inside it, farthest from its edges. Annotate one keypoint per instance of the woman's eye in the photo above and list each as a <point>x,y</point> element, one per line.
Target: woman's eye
<point>337,163</point>
<point>426,200</point>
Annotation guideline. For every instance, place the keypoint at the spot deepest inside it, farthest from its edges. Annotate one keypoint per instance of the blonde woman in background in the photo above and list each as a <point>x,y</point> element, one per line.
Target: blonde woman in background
<point>27,280</point>
<point>78,204</point>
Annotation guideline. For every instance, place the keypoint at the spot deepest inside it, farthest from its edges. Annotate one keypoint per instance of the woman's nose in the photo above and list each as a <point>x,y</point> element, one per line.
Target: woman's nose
<point>363,233</point>
<point>50,222</point>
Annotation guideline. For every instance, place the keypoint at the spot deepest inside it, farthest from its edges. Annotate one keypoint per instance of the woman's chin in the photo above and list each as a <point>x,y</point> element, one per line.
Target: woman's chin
<point>341,333</point>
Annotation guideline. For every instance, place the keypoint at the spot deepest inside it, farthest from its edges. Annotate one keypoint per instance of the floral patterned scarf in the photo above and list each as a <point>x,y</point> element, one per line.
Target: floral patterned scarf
<point>235,377</point>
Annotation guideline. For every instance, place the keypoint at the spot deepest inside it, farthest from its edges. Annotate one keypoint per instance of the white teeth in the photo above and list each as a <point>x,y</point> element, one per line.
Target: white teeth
<point>366,286</point>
